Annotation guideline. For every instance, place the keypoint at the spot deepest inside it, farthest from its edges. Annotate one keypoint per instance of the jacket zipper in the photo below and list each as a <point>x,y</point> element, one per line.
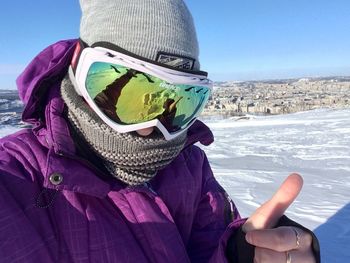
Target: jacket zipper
<point>228,209</point>
<point>148,186</point>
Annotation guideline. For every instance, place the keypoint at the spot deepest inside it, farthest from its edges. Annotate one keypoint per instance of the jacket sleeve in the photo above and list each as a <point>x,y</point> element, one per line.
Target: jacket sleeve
<point>216,220</point>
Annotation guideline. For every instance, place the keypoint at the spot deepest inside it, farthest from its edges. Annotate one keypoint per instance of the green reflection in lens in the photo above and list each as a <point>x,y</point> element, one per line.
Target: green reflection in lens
<point>142,100</point>
<point>129,96</point>
<point>192,104</point>
<point>100,75</point>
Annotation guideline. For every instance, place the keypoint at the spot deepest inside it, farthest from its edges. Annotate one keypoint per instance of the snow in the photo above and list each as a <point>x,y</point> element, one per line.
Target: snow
<point>7,129</point>
<point>251,158</point>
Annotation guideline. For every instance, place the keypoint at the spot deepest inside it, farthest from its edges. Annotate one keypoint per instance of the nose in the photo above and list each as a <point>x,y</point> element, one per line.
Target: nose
<point>146,131</point>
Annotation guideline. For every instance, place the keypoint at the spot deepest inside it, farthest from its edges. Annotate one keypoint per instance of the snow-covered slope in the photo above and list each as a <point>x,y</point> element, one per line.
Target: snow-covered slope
<point>252,157</point>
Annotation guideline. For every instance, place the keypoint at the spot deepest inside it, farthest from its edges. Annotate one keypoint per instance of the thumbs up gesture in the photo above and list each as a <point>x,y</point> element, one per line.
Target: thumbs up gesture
<point>284,244</point>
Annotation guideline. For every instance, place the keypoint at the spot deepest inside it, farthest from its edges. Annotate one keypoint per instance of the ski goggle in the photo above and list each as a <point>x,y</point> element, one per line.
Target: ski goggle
<point>129,93</point>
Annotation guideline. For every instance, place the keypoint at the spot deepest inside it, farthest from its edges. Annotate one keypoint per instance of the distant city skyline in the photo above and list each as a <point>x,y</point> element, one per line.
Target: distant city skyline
<point>239,40</point>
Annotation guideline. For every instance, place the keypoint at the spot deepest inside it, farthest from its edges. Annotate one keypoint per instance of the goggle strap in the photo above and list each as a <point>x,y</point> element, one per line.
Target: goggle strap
<point>80,45</point>
<point>116,48</point>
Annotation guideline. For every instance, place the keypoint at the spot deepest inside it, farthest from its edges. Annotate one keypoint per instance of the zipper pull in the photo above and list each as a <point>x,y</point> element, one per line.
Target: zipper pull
<point>149,187</point>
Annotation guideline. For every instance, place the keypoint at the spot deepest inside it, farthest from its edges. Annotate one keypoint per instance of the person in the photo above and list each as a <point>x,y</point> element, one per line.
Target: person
<point>79,186</point>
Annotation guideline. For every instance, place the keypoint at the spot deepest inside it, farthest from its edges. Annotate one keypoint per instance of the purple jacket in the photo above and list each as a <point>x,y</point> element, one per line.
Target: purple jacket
<point>57,207</point>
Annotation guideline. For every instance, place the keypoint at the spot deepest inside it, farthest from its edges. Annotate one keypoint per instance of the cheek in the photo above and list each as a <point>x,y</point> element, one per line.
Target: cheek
<point>146,131</point>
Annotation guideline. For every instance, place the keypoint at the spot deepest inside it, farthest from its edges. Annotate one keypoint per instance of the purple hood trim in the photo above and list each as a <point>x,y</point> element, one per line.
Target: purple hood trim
<point>50,65</point>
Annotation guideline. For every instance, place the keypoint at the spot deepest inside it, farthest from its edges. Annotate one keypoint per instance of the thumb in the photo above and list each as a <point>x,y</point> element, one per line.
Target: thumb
<point>267,215</point>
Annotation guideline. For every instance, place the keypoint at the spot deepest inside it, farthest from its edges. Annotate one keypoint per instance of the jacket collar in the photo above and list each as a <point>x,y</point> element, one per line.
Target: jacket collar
<point>199,132</point>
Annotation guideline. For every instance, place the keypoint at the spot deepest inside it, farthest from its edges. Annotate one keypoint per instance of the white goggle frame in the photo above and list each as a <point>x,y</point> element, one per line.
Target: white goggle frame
<point>90,55</point>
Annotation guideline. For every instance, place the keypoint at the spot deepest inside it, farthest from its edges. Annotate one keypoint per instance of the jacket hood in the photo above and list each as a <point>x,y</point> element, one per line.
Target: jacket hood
<point>40,83</point>
<point>45,70</point>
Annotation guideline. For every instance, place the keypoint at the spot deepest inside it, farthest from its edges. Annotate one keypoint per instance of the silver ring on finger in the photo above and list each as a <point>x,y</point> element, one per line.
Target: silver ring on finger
<point>288,257</point>
<point>297,237</point>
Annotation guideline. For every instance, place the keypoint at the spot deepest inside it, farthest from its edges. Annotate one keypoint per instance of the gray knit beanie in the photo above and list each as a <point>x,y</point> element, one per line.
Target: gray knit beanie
<point>160,30</point>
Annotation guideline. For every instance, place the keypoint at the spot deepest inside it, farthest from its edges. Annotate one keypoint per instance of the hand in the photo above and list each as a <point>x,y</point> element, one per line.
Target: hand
<point>273,245</point>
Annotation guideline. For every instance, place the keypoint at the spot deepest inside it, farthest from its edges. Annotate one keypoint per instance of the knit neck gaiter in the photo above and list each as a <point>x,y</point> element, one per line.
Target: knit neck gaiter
<point>131,158</point>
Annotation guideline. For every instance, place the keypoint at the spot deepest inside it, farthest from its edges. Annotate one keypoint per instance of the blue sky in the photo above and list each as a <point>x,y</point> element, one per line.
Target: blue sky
<point>239,39</point>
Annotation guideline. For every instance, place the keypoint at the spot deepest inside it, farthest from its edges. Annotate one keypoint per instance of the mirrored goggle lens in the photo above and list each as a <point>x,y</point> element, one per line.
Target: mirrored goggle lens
<point>128,96</point>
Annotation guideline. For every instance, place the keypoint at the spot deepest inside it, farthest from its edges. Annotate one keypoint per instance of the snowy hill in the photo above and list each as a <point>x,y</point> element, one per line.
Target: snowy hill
<point>10,112</point>
<point>252,157</point>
